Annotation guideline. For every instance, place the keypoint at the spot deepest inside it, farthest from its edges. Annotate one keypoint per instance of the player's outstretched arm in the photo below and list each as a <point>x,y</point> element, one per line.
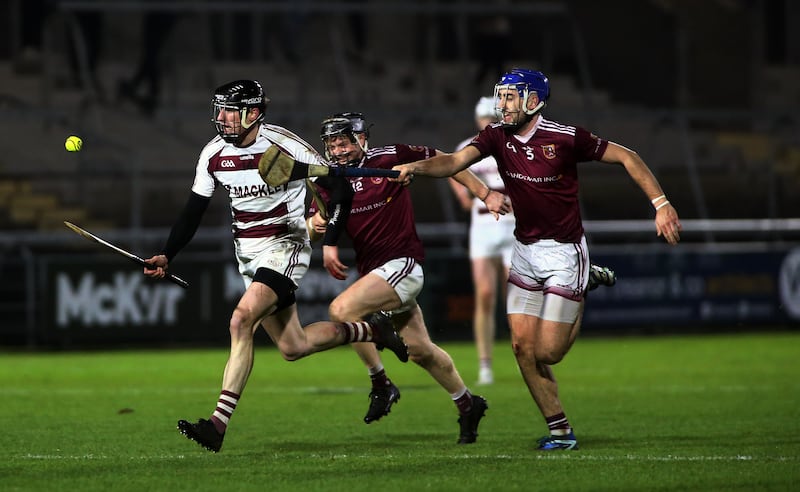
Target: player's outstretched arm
<point>439,166</point>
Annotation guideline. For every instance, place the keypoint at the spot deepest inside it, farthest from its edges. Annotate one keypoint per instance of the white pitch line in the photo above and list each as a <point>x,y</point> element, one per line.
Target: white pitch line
<point>279,390</point>
<point>89,457</point>
<point>577,456</point>
<point>566,456</point>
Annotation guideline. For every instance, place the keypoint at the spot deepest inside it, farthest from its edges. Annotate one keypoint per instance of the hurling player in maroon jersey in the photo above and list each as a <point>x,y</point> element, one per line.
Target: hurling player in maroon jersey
<point>491,245</point>
<point>389,257</point>
<point>537,159</point>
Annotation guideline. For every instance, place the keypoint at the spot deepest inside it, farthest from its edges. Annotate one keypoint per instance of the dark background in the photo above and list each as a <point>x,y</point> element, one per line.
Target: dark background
<point>706,91</point>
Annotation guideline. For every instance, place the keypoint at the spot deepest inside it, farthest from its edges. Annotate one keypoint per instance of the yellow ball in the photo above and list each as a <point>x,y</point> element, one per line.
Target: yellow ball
<point>73,143</point>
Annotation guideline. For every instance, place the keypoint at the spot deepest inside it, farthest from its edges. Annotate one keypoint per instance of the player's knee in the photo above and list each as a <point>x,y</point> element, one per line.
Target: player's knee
<point>523,349</point>
<point>485,298</point>
<point>241,323</point>
<point>291,355</point>
<point>337,311</point>
<point>549,355</point>
<point>428,355</point>
<point>421,359</point>
<point>420,354</point>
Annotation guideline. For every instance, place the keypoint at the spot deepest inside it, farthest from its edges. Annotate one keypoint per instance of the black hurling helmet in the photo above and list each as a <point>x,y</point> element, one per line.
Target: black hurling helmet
<point>239,95</point>
<point>348,124</point>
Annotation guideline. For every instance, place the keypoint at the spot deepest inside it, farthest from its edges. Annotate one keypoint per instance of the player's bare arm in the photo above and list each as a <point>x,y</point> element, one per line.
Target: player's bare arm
<point>439,166</point>
<point>496,202</point>
<point>667,222</point>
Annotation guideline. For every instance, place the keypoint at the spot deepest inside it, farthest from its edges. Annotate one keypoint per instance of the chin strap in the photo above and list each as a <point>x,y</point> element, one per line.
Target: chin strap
<point>247,131</point>
<point>535,110</point>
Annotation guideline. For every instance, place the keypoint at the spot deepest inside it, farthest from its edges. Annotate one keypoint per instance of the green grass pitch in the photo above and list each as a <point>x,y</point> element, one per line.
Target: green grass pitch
<point>714,412</point>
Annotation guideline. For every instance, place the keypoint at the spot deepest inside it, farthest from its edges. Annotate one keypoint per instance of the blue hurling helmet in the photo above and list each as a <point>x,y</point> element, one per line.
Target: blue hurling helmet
<point>525,81</point>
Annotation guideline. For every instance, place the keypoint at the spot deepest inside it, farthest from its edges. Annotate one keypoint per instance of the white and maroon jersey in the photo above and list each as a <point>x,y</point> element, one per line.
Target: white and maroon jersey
<point>486,170</point>
<point>541,175</point>
<point>381,222</point>
<point>260,213</point>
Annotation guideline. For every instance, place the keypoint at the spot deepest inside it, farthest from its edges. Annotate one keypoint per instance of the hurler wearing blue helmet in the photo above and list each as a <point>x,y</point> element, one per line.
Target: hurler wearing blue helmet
<point>550,270</point>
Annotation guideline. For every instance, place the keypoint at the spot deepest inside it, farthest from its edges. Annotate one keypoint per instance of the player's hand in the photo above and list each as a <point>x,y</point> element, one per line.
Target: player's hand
<point>668,225</point>
<point>406,174</point>
<point>498,204</point>
<point>330,260</point>
<point>160,265</point>
<point>318,223</point>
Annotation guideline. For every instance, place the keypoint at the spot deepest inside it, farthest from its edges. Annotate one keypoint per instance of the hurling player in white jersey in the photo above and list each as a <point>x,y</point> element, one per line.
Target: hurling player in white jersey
<point>490,244</point>
<point>389,260</point>
<point>537,159</point>
<point>271,244</point>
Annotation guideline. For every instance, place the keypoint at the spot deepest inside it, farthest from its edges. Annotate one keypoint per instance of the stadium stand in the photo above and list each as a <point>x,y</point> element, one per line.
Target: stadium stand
<point>145,161</point>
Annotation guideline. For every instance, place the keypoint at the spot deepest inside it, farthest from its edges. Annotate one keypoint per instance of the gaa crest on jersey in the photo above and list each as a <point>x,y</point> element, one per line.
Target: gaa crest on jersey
<point>376,181</point>
<point>549,151</point>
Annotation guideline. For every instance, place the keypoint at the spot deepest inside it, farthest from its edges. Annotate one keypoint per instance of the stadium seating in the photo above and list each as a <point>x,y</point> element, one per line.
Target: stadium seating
<point>145,162</point>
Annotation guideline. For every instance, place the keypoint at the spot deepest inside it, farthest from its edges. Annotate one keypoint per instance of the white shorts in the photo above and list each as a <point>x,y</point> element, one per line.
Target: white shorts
<point>546,269</point>
<point>406,278</point>
<point>492,239</point>
<point>289,258</point>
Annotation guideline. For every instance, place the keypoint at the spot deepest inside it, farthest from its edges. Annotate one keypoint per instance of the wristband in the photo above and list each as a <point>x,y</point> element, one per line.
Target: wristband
<point>488,192</point>
<point>660,205</point>
<point>654,200</point>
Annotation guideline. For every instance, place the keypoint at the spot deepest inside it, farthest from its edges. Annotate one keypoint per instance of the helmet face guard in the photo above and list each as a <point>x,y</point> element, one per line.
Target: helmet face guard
<point>347,125</point>
<point>524,82</point>
<point>237,97</point>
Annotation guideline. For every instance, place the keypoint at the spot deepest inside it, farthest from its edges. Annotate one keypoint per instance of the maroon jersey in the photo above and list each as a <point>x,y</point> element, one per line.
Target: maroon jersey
<point>540,172</point>
<point>381,222</point>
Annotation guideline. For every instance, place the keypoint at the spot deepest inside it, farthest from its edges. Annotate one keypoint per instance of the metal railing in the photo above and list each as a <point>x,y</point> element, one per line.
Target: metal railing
<point>25,289</point>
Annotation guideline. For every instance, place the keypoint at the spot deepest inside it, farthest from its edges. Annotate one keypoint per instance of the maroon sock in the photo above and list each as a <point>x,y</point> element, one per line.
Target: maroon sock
<point>379,380</point>
<point>225,406</point>
<point>356,332</point>
<point>558,424</point>
<point>464,403</point>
